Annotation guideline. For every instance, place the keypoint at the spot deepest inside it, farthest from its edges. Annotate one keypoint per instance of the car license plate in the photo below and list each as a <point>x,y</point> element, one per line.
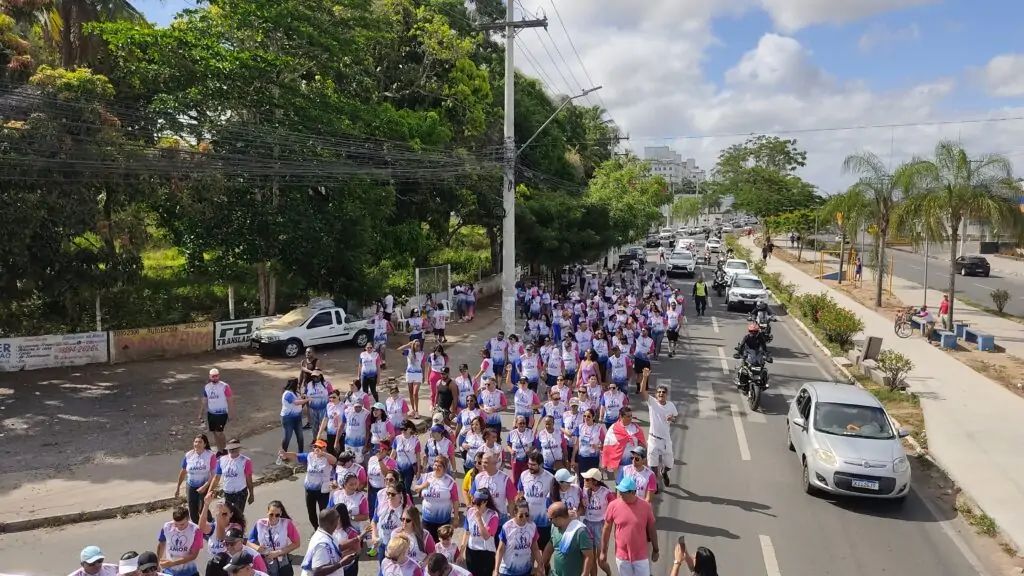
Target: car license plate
<point>866,484</point>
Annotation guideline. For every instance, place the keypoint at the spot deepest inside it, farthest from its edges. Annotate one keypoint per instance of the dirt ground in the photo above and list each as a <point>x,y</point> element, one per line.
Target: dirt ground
<point>57,418</point>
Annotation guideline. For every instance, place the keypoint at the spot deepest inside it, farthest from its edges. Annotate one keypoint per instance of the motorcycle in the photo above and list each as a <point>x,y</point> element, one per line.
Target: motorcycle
<point>752,376</point>
<point>764,321</point>
<point>719,283</point>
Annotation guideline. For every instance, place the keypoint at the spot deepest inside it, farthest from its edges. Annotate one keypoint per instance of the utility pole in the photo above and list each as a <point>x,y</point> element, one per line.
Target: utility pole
<point>508,224</point>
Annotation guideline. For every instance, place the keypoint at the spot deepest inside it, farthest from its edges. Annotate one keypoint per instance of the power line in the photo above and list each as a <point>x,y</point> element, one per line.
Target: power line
<point>835,128</point>
<point>562,58</point>
<point>542,74</point>
<point>561,22</point>
<point>568,85</point>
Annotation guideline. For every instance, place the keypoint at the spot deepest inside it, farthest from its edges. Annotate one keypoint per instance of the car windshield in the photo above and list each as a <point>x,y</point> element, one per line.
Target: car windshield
<point>291,319</point>
<point>976,259</point>
<point>852,420</point>
<point>753,283</point>
<point>736,265</point>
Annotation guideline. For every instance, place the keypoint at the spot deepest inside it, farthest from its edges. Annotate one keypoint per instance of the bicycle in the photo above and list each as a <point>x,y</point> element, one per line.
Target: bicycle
<point>902,325</point>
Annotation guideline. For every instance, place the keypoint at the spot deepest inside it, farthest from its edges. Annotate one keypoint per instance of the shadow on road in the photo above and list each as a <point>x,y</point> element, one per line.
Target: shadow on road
<point>745,505</point>
<point>683,527</point>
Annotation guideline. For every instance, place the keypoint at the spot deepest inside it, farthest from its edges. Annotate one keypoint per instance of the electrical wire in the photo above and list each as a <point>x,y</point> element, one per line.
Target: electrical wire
<point>586,73</point>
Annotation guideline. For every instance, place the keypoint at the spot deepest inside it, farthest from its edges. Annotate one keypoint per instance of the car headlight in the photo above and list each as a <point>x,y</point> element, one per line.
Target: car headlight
<point>900,465</point>
<point>269,338</point>
<point>826,457</point>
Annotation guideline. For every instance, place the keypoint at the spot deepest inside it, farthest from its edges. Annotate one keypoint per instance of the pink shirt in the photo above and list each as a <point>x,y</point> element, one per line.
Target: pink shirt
<point>630,522</point>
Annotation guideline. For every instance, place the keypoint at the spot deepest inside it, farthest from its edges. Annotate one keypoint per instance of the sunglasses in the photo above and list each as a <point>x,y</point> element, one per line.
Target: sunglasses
<point>638,457</point>
<point>274,515</point>
<point>407,520</point>
<point>523,516</point>
<point>392,494</point>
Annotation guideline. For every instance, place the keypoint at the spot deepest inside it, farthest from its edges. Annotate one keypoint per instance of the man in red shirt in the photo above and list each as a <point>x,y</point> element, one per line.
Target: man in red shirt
<point>944,311</point>
<point>632,521</point>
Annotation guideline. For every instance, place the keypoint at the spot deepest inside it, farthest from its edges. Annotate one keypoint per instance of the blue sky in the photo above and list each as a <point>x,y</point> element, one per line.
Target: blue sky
<point>681,71</point>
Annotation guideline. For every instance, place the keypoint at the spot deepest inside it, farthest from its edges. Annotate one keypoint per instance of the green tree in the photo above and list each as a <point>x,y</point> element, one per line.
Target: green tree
<point>554,230</point>
<point>685,208</point>
<point>633,196</point>
<point>802,222</point>
<point>952,188</point>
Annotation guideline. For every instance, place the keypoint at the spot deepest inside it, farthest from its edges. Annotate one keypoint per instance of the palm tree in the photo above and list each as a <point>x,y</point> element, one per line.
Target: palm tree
<point>953,188</point>
<point>879,192</point>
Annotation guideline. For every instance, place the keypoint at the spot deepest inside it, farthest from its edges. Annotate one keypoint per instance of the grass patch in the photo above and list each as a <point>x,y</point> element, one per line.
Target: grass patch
<point>982,522</point>
<point>163,262</point>
<point>989,309</point>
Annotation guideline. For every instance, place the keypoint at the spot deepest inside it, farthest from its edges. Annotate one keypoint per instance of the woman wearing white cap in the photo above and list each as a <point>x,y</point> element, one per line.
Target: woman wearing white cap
<point>596,497</point>
<point>569,493</point>
<point>91,563</point>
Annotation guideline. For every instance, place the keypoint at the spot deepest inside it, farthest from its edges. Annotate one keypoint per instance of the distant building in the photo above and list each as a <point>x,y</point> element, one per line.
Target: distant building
<point>670,165</point>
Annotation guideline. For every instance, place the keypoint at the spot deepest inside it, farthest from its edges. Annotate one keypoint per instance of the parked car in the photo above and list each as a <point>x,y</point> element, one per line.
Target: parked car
<point>846,442</point>
<point>682,262</point>
<point>314,325</point>
<point>726,228</point>
<point>626,259</point>
<point>973,266</point>
<point>745,290</point>
<point>735,266</point>
<point>713,245</point>
<point>652,241</point>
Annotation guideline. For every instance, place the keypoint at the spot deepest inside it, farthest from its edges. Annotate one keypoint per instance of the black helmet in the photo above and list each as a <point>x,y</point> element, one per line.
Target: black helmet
<point>761,305</point>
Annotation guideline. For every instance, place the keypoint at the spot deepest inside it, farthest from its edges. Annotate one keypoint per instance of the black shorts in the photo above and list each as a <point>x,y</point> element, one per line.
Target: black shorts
<point>216,422</point>
<point>673,335</point>
<point>639,364</point>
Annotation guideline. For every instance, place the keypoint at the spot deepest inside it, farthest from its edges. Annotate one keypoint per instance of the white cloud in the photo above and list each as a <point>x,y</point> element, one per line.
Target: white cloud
<point>792,15</point>
<point>651,58</point>
<point>1004,75</point>
<point>778,62</point>
<point>880,36</point>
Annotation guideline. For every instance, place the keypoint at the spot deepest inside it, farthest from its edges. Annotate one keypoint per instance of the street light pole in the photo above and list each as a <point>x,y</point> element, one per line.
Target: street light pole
<point>508,221</point>
<point>552,117</point>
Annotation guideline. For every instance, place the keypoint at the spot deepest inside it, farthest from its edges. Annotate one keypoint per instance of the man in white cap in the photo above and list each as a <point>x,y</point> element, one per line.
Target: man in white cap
<point>216,405</point>
<point>91,563</point>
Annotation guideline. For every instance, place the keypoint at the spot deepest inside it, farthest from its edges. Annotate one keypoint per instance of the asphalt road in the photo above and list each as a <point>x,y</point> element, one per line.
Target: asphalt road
<point>910,266</point>
<point>735,487</point>
<point>978,289</point>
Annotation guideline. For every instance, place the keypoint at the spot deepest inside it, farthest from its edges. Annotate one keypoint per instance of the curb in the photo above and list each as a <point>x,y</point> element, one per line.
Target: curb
<point>845,371</point>
<point>280,473</point>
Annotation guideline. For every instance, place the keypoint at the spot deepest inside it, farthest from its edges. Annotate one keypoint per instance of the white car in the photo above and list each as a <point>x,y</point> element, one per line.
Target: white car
<point>846,442</point>
<point>682,261</point>
<point>726,228</point>
<point>734,266</point>
<point>685,244</point>
<point>713,245</point>
<point>319,323</point>
<point>745,290</point>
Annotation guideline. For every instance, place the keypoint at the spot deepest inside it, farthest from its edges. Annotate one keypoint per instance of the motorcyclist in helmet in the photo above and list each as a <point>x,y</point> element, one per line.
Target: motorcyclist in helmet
<point>762,315</point>
<point>754,340</point>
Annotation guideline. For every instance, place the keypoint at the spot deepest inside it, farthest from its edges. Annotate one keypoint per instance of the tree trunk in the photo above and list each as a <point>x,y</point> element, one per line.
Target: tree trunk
<point>495,245</point>
<point>955,225</point>
<point>272,294</point>
<point>262,287</point>
<point>67,14</point>
<point>883,230</point>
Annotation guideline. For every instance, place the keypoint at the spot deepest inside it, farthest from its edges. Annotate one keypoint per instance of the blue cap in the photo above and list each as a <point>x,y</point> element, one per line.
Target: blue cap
<point>627,484</point>
<point>563,475</point>
<point>437,428</point>
<point>92,554</point>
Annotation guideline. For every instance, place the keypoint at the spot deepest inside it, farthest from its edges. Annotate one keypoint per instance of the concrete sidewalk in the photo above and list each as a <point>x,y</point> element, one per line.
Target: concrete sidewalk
<point>972,422</point>
<point>120,485</point>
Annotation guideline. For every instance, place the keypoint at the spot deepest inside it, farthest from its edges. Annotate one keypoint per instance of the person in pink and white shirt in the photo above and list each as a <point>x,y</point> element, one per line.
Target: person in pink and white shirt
<point>498,484</point>
<point>234,476</point>
<point>216,406</point>
<point>645,479</point>
<point>493,402</point>
<point>276,536</point>
<point>198,468</point>
<point>406,451</point>
<point>440,494</point>
<point>178,545</point>
<point>396,406</point>
<point>354,499</point>
<point>398,560</point>
<point>422,542</point>
<point>376,469</point>
<point>525,401</point>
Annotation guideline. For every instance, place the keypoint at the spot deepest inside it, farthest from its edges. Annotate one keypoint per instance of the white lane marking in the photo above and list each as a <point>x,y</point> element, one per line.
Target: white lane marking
<point>714,323</point>
<point>752,416</point>
<point>725,362</point>
<point>741,436</point>
<point>706,407</point>
<point>771,564</point>
<point>799,342</point>
<point>794,362</point>
<point>980,285</point>
<point>914,267</point>
<point>958,541</point>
